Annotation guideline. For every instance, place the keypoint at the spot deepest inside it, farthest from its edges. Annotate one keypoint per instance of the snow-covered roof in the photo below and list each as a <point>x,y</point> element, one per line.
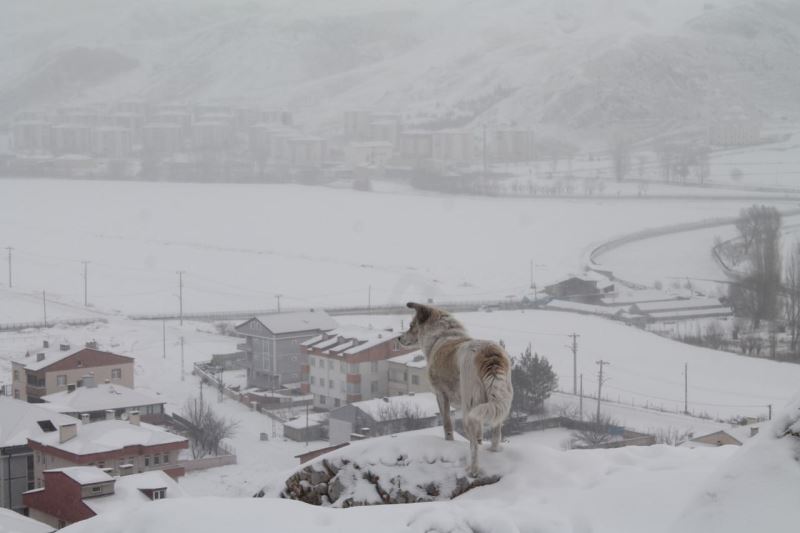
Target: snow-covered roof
<point>13,522</point>
<point>693,313</point>
<point>297,321</point>
<point>108,435</point>
<point>128,492</point>
<point>565,305</point>
<point>314,419</point>
<point>349,340</point>
<point>84,475</point>
<point>423,404</point>
<point>20,420</point>
<point>641,296</point>
<point>103,396</point>
<point>415,359</point>
<point>88,358</point>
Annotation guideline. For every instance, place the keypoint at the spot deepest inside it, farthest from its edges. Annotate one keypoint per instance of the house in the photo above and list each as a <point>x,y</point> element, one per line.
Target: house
<point>306,427</point>
<point>307,151</point>
<point>356,124</point>
<point>512,145</point>
<point>372,154</point>
<point>119,446</point>
<point>11,522</point>
<point>19,421</point>
<point>112,141</point>
<point>96,400</point>
<point>453,146</point>
<point>580,289</point>
<point>31,136</point>
<point>76,493</point>
<point>415,146</point>
<point>273,345</point>
<point>349,364</point>
<point>408,373</point>
<point>381,416</point>
<point>71,139</point>
<point>163,138</point>
<point>735,436</point>
<point>49,370</point>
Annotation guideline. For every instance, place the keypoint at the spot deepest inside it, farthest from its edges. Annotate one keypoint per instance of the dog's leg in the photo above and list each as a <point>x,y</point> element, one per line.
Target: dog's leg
<point>497,435</point>
<point>472,429</point>
<point>447,420</point>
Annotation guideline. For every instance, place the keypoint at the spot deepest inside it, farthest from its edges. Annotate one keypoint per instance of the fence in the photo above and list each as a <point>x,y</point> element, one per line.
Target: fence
<point>205,463</point>
<point>19,326</point>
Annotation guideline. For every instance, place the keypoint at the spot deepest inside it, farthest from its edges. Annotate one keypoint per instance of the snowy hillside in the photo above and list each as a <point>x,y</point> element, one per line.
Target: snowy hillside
<point>577,64</point>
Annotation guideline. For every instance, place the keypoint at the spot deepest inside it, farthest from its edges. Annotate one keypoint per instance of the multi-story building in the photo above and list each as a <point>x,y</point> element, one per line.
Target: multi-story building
<point>163,138</point>
<point>273,345</point>
<point>31,136</point>
<point>510,145</point>
<point>50,370</point>
<point>350,364</point>
<point>121,447</point>
<point>408,374</point>
<point>415,146</point>
<point>453,146</point>
<point>18,422</point>
<point>104,400</point>
<point>369,154</point>
<point>112,141</point>
<point>356,124</point>
<point>307,151</point>
<point>71,139</point>
<point>76,493</point>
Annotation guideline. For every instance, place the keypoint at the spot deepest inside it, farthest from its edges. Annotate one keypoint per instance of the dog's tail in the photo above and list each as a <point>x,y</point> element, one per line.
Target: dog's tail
<point>494,372</point>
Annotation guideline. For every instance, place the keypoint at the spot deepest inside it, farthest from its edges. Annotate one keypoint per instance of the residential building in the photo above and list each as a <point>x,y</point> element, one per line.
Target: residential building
<point>349,364</point>
<point>11,522</point>
<point>71,139</point>
<point>307,151</point>
<point>684,308</point>
<point>380,416</point>
<point>453,146</point>
<point>356,124</point>
<point>105,400</point>
<point>119,446</point>
<point>31,136</point>
<point>408,374</point>
<point>112,141</point>
<point>76,493</point>
<point>580,289</point>
<point>49,370</point>
<point>512,145</point>
<point>415,146</point>
<point>273,345</point>
<point>373,154</point>
<point>18,422</point>
<point>306,427</point>
<point>211,135</point>
<point>163,138</point>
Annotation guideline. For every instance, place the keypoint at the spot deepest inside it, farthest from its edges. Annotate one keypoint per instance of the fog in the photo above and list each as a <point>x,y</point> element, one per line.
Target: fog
<point>611,185</point>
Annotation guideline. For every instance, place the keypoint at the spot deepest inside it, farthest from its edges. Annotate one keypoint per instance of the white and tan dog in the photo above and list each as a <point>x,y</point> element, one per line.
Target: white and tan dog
<point>474,374</point>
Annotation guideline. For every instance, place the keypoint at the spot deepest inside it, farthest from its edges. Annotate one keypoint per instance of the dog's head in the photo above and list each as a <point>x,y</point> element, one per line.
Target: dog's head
<point>424,318</point>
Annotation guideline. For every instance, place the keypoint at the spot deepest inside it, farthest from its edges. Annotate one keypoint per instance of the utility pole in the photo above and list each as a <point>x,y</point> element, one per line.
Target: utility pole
<point>686,388</point>
<point>180,293</point>
<point>164,338</point>
<point>10,249</point>
<point>201,392</point>
<point>574,349</point>
<point>485,164</point>
<point>183,371</point>
<point>85,283</point>
<point>369,300</point>
<point>306,423</point>
<point>770,411</point>
<point>278,298</point>
<point>580,403</point>
<point>600,386</point>
<point>44,307</point>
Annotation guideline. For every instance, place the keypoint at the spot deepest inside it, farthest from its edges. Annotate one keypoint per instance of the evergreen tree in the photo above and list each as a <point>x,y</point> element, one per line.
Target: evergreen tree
<point>534,380</point>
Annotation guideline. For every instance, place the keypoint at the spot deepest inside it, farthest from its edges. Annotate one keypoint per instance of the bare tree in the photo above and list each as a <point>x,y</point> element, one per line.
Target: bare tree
<point>595,433</point>
<point>401,416</point>
<point>672,436</point>
<point>206,429</point>
<point>791,300</point>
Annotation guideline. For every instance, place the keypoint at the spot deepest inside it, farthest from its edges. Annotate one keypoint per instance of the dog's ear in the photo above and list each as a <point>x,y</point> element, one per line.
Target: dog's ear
<point>423,311</point>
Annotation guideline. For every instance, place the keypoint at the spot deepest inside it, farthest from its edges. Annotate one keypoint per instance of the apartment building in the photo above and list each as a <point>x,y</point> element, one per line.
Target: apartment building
<point>349,364</point>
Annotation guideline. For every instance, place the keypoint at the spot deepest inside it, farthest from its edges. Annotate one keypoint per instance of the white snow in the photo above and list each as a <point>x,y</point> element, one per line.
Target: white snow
<point>84,475</point>
<point>108,435</point>
<point>13,522</point>
<point>128,497</point>
<point>100,397</point>
<point>424,404</point>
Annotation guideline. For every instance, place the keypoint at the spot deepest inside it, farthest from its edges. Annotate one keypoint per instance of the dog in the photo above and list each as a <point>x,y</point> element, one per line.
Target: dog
<point>474,374</point>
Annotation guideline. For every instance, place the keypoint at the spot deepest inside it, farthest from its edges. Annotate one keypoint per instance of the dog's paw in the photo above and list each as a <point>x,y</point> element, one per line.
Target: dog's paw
<point>474,471</point>
<point>497,448</point>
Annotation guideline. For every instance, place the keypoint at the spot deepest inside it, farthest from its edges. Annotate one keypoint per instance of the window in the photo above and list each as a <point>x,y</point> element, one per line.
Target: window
<point>311,380</point>
<point>353,368</point>
<point>415,380</point>
<point>96,489</point>
<point>146,460</point>
<point>312,362</point>
<point>330,364</point>
<point>61,380</point>
<point>342,366</point>
<point>322,399</point>
<point>16,374</point>
<point>330,383</point>
<point>166,458</point>
<point>156,459</point>
<point>116,373</point>
<point>159,494</point>
<point>16,394</point>
<point>337,402</point>
<point>373,387</point>
<point>373,367</point>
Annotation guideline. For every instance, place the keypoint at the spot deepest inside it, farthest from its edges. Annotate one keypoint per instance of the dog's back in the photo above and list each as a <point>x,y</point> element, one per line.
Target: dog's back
<point>485,379</point>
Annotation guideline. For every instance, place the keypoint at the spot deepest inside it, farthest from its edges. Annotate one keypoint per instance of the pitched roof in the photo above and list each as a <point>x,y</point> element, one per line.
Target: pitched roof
<point>12,521</point>
<point>279,323</point>
<point>349,340</point>
<point>99,398</point>
<point>84,475</point>
<point>71,360</point>
<point>423,404</point>
<point>19,421</point>
<point>109,435</point>
<point>128,492</point>
<point>415,359</point>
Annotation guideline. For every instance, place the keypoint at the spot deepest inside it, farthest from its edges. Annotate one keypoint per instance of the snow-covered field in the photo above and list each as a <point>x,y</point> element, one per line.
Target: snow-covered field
<point>241,245</point>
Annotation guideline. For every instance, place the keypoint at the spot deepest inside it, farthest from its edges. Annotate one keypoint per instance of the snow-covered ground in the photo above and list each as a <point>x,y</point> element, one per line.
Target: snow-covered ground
<point>241,245</point>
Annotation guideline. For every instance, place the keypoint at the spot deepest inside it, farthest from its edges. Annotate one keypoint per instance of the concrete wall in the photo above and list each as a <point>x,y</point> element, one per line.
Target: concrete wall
<point>15,476</point>
<point>101,374</point>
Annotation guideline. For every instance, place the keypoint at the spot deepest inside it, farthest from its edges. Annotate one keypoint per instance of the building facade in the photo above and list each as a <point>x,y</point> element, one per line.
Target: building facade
<point>408,374</point>
<point>275,356</point>
<point>49,370</point>
<point>350,364</point>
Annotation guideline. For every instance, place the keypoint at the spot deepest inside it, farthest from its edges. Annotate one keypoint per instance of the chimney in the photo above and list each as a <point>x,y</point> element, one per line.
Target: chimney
<point>92,345</point>
<point>89,382</point>
<point>45,344</point>
<point>110,414</point>
<point>66,432</point>
<point>85,418</point>
<point>134,418</point>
